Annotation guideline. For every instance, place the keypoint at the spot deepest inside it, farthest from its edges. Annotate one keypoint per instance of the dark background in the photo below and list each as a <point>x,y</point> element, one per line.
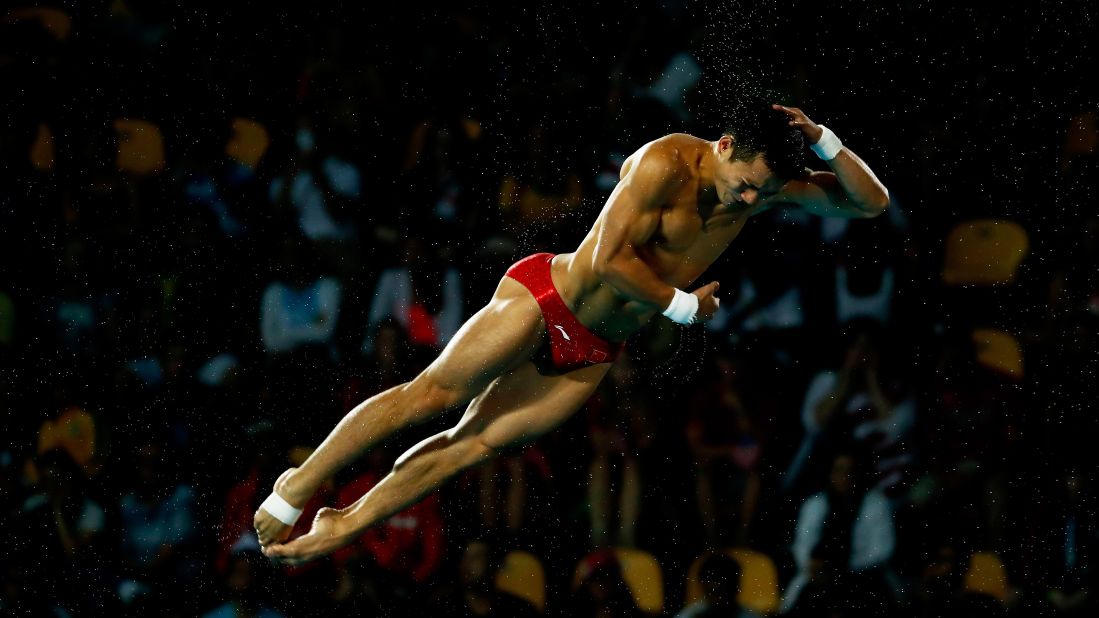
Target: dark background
<point>117,289</point>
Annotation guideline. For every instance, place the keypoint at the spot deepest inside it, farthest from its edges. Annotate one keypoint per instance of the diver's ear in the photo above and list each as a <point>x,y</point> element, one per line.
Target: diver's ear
<point>725,146</point>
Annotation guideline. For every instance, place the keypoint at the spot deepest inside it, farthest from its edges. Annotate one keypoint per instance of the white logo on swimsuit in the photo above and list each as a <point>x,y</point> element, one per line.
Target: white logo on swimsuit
<point>563,333</point>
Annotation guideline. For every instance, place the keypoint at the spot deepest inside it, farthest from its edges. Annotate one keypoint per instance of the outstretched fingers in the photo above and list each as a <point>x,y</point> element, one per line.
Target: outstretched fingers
<point>796,117</point>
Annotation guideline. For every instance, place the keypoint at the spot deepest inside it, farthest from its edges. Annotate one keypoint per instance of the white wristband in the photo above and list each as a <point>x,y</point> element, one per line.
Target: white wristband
<point>683,308</point>
<point>828,146</point>
<point>281,509</point>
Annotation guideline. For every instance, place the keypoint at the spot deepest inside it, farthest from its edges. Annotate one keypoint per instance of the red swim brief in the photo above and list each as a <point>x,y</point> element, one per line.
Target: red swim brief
<point>572,345</point>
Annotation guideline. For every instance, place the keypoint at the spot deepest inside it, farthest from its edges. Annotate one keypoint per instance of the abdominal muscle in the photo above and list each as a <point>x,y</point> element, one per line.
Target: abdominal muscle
<point>596,304</point>
<point>599,306</point>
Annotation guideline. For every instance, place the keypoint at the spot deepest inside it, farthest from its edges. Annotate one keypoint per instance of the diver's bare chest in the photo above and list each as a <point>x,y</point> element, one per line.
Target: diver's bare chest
<point>687,227</point>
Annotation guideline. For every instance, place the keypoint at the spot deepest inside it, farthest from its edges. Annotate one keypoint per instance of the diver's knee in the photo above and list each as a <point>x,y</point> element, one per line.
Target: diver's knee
<point>448,449</point>
<point>430,393</point>
<point>475,449</point>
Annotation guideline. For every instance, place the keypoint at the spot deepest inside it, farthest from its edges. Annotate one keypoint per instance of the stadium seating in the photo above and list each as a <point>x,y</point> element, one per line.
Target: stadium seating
<point>248,143</point>
<point>642,573</point>
<point>140,146</point>
<point>522,575</point>
<point>999,351</point>
<point>986,575</point>
<point>758,581</point>
<point>984,252</point>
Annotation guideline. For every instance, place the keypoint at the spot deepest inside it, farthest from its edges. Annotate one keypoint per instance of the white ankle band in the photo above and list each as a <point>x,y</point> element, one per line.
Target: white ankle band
<point>281,509</point>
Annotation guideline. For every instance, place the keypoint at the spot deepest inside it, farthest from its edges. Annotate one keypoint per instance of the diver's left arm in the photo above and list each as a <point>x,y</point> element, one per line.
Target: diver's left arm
<point>850,190</point>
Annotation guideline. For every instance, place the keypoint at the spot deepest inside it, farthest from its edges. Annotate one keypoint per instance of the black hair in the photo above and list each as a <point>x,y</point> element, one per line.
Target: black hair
<point>758,129</point>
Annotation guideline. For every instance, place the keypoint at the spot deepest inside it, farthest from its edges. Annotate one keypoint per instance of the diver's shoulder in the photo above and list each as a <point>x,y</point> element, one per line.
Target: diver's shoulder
<point>670,150</point>
<point>677,145</point>
<point>682,139</point>
<point>669,153</point>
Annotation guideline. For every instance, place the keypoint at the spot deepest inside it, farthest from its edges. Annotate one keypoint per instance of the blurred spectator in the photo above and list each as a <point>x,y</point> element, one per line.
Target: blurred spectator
<point>504,485</point>
<point>319,186</point>
<point>301,310</point>
<point>720,579</point>
<point>843,534</point>
<point>423,295</point>
<point>857,406</point>
<point>217,188</point>
<point>298,318</point>
<point>158,520</point>
<point>866,272</point>
<point>620,426</point>
<point>1072,542</point>
<point>727,451</point>
<point>865,292</point>
<point>758,304</point>
<point>971,423</point>
<point>440,155</point>
<point>680,75</point>
<point>67,530</point>
<point>537,199</point>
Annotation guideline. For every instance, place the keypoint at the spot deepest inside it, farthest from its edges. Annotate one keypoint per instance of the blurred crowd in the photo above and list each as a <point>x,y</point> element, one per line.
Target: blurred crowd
<point>223,225</point>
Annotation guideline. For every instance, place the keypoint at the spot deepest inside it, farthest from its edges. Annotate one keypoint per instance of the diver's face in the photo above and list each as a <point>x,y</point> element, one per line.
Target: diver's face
<point>742,183</point>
